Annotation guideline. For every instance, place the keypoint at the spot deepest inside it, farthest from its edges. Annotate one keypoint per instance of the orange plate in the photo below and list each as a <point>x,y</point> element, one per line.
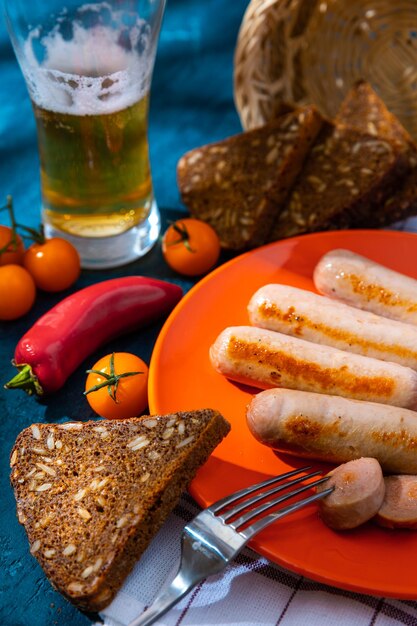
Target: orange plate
<point>368,559</point>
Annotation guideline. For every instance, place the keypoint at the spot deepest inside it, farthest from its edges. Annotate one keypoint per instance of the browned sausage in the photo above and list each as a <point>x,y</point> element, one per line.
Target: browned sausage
<point>265,358</point>
<point>358,494</point>
<point>335,429</point>
<point>358,281</point>
<point>306,315</point>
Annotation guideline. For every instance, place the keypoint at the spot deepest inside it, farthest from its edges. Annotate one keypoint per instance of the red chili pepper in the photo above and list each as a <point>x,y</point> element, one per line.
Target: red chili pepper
<point>62,338</point>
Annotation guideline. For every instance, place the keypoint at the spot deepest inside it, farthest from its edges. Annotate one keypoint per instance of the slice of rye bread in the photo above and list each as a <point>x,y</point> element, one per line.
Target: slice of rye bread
<point>92,495</point>
<point>364,110</point>
<point>239,185</point>
<point>347,175</point>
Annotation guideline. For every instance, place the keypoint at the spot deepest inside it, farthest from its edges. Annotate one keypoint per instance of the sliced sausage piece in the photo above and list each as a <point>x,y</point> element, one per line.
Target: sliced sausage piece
<point>357,496</point>
<point>334,429</point>
<point>319,319</point>
<point>399,508</point>
<point>358,281</point>
<point>265,358</point>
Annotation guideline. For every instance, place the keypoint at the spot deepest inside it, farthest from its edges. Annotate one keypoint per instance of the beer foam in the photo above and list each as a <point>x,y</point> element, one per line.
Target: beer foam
<point>97,71</point>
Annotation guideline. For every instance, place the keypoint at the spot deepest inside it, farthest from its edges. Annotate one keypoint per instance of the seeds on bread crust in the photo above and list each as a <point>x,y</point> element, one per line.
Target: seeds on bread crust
<point>35,432</point>
<point>13,458</point>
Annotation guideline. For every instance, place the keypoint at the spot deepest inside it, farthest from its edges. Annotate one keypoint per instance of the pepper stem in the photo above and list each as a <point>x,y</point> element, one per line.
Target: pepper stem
<point>25,379</point>
<point>111,380</point>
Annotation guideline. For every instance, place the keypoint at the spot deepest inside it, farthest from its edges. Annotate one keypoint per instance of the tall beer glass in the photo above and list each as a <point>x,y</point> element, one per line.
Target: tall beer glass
<point>88,67</point>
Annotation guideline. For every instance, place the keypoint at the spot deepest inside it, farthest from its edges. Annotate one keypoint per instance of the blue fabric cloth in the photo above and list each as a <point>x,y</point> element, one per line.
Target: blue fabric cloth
<point>192,104</point>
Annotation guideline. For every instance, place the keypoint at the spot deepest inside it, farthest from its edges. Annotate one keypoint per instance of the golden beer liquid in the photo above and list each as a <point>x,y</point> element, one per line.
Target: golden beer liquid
<point>95,170</point>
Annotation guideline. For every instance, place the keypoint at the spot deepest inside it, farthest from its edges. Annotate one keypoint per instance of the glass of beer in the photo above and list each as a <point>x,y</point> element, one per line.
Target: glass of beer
<point>88,67</point>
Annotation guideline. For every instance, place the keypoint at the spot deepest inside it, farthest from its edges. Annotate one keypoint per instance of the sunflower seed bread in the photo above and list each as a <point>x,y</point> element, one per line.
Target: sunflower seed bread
<point>364,110</point>
<point>239,185</point>
<point>345,179</point>
<point>92,495</point>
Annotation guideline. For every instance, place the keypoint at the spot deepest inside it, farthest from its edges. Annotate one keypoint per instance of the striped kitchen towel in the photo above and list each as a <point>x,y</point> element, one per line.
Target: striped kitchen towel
<point>250,592</point>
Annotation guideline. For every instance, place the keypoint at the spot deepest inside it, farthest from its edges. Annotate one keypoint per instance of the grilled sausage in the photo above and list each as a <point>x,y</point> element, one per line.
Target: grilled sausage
<point>357,495</point>
<point>334,429</point>
<point>358,281</point>
<point>304,314</point>
<point>265,358</point>
<point>399,508</point>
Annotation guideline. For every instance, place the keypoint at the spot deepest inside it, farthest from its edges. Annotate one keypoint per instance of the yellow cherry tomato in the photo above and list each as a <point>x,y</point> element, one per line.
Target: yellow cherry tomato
<point>17,292</point>
<point>191,247</point>
<point>117,386</point>
<point>54,264</point>
<point>13,248</point>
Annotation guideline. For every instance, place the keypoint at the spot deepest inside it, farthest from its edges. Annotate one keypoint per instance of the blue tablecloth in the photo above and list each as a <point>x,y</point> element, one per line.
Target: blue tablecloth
<point>192,104</point>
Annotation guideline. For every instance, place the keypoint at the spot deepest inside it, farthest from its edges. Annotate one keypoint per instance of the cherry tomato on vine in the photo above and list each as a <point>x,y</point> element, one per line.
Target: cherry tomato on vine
<point>191,246</point>
<point>17,292</point>
<point>54,264</point>
<point>117,386</point>
<point>13,248</point>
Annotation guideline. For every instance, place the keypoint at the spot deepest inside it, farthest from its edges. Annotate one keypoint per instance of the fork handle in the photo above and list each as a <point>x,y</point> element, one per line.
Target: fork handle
<point>178,588</point>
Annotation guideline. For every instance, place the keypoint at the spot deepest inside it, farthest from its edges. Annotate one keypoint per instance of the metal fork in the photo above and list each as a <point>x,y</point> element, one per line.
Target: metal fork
<point>218,533</point>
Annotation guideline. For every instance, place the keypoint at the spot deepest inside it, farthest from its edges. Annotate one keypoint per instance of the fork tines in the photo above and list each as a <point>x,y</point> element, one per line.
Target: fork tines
<point>260,492</point>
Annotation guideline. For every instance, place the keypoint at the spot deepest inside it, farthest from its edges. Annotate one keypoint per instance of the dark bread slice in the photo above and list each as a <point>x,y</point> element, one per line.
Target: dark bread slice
<point>364,110</point>
<point>240,184</point>
<point>346,177</point>
<point>92,495</point>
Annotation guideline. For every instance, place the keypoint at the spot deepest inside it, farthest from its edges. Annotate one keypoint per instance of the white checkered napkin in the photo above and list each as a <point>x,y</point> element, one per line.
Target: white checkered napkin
<point>250,592</point>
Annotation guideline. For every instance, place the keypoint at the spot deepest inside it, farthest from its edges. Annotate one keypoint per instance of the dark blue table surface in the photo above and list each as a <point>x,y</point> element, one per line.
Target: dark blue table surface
<point>191,104</point>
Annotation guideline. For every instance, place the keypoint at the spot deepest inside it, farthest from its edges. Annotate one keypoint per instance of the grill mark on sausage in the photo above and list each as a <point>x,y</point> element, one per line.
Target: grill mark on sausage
<point>299,425</point>
<point>268,310</point>
<point>396,439</point>
<point>303,433</point>
<point>377,292</point>
<point>298,322</point>
<point>305,426</point>
<point>327,378</point>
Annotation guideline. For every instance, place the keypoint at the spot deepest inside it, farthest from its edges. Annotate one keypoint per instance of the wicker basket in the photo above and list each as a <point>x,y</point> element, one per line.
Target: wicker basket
<point>311,51</point>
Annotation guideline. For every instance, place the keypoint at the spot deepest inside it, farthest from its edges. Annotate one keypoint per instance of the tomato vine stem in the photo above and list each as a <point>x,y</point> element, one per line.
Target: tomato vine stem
<point>181,229</point>
<point>12,244</point>
<point>36,235</point>
<point>111,382</point>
